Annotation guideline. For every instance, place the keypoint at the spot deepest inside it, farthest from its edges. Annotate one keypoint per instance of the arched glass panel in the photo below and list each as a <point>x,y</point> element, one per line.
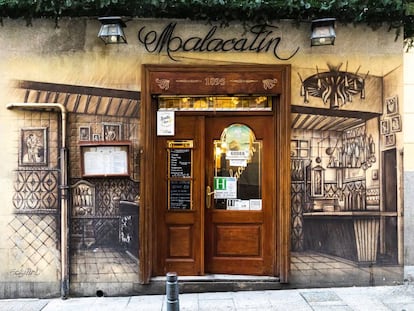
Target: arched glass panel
<point>238,169</point>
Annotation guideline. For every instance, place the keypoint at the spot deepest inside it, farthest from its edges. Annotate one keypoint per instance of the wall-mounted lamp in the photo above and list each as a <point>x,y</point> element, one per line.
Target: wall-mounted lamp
<point>323,32</point>
<point>111,31</point>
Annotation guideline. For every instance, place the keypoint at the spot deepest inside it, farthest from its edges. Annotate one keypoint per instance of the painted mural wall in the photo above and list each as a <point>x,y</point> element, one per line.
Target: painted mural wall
<point>345,169</point>
<point>346,162</point>
<point>407,182</point>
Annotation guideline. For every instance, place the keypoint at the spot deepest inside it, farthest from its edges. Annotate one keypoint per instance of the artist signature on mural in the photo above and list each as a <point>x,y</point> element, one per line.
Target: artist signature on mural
<point>21,272</point>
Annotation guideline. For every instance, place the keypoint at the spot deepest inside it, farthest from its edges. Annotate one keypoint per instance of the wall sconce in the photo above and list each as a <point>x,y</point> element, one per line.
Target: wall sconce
<point>111,31</point>
<point>323,32</point>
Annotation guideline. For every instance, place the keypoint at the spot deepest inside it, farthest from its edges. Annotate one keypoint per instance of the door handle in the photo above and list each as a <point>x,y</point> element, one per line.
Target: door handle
<point>208,196</point>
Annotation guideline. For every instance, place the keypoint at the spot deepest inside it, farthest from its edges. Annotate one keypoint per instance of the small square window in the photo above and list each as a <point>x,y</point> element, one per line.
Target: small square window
<point>299,149</point>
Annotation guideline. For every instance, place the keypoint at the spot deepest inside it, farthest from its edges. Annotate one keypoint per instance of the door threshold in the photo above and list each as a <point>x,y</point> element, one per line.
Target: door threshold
<point>220,278</point>
<point>221,283</point>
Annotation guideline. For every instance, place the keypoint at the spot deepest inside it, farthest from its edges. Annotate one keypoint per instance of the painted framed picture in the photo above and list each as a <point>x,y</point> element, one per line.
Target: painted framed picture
<point>385,127</point>
<point>391,105</point>
<point>354,174</point>
<point>317,181</point>
<point>389,140</point>
<point>33,146</point>
<point>96,137</point>
<point>111,131</point>
<point>84,133</point>
<point>396,124</point>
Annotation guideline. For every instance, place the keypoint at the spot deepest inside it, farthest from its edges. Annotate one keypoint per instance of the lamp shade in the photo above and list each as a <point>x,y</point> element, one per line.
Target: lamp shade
<point>323,32</point>
<point>111,31</point>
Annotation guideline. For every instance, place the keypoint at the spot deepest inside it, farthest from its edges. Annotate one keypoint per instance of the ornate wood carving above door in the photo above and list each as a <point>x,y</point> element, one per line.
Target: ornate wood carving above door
<point>213,82</point>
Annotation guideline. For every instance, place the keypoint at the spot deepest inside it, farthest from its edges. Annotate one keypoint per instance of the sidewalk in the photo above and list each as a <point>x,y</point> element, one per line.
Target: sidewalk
<point>397,298</point>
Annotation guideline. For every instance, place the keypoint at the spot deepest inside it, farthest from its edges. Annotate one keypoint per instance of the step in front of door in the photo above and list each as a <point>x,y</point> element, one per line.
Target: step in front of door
<point>221,283</point>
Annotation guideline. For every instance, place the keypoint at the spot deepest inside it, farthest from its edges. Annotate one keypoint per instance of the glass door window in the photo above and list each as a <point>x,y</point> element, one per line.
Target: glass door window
<point>237,170</point>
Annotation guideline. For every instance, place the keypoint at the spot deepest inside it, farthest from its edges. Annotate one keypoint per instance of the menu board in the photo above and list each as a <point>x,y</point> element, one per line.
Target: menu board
<point>180,162</point>
<point>180,178</point>
<point>98,160</point>
<point>180,194</point>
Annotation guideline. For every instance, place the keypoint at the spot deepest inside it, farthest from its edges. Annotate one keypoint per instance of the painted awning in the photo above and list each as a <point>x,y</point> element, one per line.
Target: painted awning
<point>83,99</point>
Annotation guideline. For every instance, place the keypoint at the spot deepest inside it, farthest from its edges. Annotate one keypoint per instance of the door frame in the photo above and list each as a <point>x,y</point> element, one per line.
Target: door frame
<point>279,86</point>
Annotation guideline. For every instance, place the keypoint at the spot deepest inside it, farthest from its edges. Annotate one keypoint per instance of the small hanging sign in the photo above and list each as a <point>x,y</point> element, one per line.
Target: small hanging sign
<point>237,154</point>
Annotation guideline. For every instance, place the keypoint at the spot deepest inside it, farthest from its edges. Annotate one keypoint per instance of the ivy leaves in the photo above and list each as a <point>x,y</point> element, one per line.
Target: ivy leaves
<point>373,12</point>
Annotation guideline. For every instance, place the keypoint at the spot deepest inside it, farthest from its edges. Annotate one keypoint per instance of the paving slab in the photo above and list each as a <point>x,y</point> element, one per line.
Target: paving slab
<point>22,304</point>
<point>381,298</point>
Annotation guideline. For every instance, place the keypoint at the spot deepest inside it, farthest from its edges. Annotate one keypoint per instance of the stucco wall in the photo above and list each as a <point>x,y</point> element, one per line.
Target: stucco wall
<point>408,166</point>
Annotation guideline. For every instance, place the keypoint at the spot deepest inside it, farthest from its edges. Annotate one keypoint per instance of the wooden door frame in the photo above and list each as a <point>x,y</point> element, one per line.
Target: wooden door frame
<point>281,114</point>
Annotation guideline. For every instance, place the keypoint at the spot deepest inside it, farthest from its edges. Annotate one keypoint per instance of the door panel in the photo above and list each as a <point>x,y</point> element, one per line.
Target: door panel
<point>239,233</point>
<point>238,240</point>
<point>180,241</point>
<point>179,233</point>
<point>231,236</point>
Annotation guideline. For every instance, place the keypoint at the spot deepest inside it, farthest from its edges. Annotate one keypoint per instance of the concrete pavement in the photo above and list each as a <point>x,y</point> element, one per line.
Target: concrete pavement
<point>379,298</point>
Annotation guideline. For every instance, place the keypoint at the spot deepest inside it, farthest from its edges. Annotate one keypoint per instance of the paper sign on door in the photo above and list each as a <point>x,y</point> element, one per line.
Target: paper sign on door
<point>225,188</point>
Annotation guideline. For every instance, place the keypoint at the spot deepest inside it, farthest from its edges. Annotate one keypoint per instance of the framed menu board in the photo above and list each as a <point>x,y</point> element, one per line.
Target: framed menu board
<point>105,159</point>
<point>180,162</point>
<point>180,181</point>
<point>180,194</point>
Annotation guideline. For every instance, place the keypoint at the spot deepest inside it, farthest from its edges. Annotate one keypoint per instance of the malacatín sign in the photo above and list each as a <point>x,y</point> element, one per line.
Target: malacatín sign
<point>259,38</point>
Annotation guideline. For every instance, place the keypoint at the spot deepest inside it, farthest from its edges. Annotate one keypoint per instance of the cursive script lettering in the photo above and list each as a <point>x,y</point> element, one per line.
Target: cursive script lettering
<point>261,39</point>
<point>24,272</point>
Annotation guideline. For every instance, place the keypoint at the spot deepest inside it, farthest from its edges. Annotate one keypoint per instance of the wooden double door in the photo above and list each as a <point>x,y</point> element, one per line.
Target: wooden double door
<point>215,205</point>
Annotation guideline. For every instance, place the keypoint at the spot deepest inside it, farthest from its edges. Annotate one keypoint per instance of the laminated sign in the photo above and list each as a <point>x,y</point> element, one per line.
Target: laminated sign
<point>225,188</point>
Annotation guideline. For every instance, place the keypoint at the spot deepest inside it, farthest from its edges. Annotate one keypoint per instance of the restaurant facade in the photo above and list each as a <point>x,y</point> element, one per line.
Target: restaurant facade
<point>238,156</point>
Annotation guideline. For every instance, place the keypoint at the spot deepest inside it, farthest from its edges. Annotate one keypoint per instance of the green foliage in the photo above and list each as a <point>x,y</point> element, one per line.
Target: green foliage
<point>395,13</point>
